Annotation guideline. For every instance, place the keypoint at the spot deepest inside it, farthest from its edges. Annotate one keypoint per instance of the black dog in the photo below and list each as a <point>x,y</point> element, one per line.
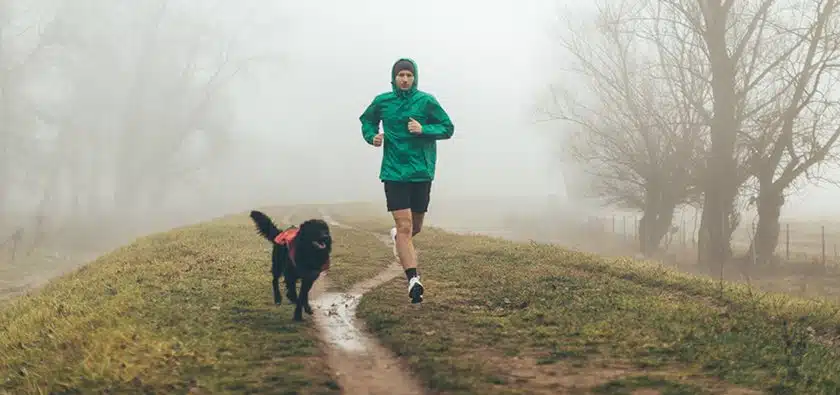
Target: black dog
<point>298,253</point>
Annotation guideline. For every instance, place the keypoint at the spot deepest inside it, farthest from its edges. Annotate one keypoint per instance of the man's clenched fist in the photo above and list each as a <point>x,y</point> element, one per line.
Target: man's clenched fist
<point>414,126</point>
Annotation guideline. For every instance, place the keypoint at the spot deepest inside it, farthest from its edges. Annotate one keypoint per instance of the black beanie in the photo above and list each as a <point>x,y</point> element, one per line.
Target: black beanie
<point>402,65</point>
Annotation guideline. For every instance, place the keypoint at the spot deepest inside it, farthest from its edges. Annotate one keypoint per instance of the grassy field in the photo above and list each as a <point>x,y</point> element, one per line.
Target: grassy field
<point>514,318</point>
<point>191,310</point>
<point>188,309</point>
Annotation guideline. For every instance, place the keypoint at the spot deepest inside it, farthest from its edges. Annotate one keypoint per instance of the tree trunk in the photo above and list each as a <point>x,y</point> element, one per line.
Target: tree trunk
<point>652,229</point>
<point>645,232</point>
<point>766,239</point>
<point>655,222</point>
<point>720,183</point>
<point>716,230</point>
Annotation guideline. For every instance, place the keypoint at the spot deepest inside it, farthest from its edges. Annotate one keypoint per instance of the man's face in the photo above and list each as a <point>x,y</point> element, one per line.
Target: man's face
<point>405,79</point>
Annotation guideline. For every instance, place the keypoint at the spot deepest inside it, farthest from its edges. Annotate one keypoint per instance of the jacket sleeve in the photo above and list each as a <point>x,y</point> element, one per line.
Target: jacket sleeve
<point>439,126</point>
<point>370,121</point>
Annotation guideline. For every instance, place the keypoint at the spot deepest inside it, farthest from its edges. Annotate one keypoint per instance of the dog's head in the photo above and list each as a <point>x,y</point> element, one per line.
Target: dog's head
<point>315,234</point>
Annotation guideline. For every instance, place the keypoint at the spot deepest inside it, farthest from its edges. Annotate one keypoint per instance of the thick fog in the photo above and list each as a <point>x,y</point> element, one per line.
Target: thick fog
<point>295,78</point>
<point>482,62</point>
<point>173,108</point>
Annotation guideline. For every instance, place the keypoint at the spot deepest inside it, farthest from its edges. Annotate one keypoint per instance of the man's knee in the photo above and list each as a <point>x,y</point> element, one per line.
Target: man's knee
<point>404,226</point>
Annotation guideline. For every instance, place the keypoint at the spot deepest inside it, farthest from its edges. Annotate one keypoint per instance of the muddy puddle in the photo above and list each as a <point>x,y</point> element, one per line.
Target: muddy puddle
<point>337,323</point>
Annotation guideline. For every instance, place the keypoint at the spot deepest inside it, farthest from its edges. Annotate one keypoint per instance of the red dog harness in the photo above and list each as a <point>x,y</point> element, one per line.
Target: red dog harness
<point>287,238</point>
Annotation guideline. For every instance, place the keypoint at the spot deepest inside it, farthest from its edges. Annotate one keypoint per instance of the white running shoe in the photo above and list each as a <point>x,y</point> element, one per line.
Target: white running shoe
<point>415,290</point>
<point>394,240</point>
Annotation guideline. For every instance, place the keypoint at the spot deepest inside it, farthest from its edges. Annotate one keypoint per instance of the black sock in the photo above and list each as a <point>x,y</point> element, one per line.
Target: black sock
<point>409,273</point>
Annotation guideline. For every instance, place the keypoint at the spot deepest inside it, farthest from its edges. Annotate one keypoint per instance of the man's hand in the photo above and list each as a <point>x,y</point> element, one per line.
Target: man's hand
<point>414,127</point>
<point>377,140</point>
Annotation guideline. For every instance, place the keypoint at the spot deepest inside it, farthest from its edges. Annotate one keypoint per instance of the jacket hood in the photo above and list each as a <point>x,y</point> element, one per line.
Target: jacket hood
<point>413,89</point>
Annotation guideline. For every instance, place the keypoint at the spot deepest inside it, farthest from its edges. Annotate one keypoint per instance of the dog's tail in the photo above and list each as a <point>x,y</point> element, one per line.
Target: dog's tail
<point>265,226</point>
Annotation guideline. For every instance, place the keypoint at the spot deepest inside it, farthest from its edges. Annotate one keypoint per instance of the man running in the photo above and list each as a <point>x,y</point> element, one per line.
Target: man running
<point>412,122</point>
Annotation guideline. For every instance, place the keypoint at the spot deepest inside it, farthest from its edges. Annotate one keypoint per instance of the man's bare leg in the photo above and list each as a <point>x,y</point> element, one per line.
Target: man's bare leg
<point>405,230</point>
<point>416,223</point>
<point>416,227</point>
<point>405,247</point>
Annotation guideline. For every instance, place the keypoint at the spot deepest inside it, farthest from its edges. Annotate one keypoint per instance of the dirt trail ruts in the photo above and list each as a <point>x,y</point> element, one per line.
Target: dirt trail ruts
<point>362,366</point>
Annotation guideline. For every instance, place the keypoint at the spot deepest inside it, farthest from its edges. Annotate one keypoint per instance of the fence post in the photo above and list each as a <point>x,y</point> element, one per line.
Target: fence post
<point>787,242</point>
<point>613,224</point>
<point>636,228</point>
<point>823,244</point>
<point>624,227</point>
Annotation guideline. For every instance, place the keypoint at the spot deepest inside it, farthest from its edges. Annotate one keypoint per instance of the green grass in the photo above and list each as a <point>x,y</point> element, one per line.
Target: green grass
<point>190,308</point>
<point>357,255</point>
<point>367,217</point>
<point>508,318</point>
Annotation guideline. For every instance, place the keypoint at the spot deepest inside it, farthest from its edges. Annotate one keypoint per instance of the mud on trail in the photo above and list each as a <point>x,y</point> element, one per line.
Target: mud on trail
<point>361,365</point>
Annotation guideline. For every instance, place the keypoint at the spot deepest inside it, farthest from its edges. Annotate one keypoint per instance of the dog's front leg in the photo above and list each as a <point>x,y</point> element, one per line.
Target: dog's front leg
<point>303,299</point>
<point>305,287</point>
<point>291,288</point>
<point>275,286</point>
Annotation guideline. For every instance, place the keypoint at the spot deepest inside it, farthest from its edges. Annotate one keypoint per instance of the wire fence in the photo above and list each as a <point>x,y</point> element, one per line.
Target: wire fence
<point>798,241</point>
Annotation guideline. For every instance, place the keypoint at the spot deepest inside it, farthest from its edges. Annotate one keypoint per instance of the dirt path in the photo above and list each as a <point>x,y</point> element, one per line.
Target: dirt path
<point>361,364</point>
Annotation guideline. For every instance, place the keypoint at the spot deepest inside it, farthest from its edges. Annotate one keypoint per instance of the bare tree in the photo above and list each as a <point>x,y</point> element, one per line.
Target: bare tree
<point>130,116</point>
<point>799,132</point>
<point>711,21</point>
<point>22,45</point>
<point>752,86</point>
<point>136,113</point>
<point>179,94</point>
<point>741,48</point>
<point>639,138</point>
<point>757,62</point>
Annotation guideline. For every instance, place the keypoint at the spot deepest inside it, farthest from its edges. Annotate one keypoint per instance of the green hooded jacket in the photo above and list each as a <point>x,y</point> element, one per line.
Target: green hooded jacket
<point>405,156</point>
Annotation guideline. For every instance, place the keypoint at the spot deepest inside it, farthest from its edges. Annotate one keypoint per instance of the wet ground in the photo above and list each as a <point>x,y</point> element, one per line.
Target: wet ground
<point>361,364</point>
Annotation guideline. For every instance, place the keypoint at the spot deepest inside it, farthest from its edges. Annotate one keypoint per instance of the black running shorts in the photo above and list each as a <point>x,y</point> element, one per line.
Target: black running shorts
<point>411,195</point>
